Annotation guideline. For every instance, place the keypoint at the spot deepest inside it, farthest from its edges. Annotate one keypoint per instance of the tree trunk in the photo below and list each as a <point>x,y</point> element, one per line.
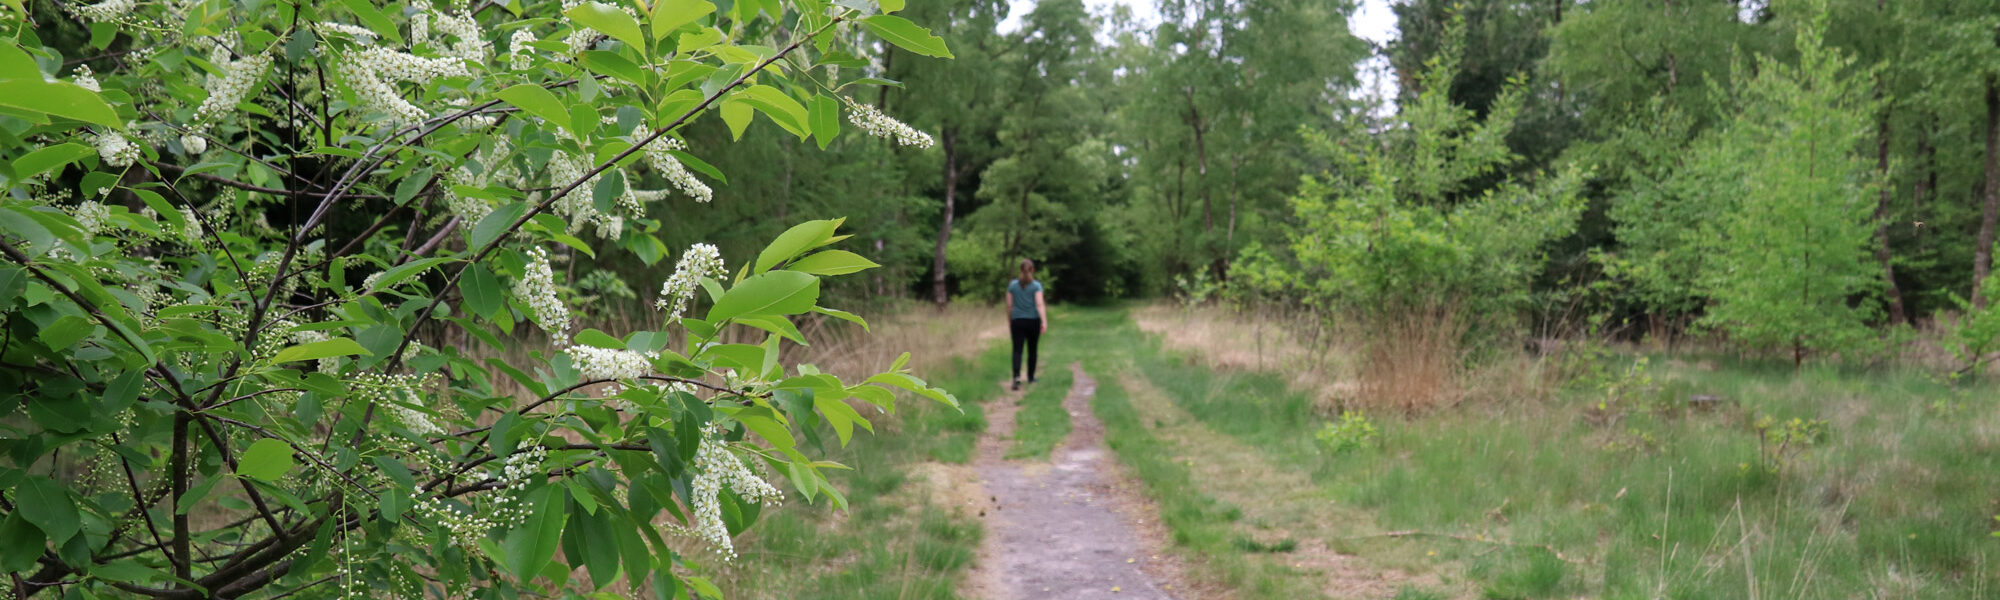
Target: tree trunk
<point>1927,154</point>
<point>1201,163</point>
<point>944,230</point>
<point>1229,235</point>
<point>1897,314</point>
<point>1982,256</point>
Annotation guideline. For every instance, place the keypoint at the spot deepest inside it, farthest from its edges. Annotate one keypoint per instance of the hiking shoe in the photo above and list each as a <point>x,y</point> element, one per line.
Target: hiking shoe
<point>1017,385</point>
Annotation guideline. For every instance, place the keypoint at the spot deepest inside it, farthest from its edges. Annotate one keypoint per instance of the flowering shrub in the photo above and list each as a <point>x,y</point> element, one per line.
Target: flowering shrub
<point>228,225</point>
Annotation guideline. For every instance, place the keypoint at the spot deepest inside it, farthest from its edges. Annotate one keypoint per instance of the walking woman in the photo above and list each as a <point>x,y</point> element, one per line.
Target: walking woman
<point>1028,317</point>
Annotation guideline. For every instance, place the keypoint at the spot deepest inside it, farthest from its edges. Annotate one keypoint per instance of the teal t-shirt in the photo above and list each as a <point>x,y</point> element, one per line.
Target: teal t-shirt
<point>1022,300</point>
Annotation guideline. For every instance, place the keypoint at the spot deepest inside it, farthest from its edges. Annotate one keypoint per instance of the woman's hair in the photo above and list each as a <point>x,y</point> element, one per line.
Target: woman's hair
<point>1027,272</point>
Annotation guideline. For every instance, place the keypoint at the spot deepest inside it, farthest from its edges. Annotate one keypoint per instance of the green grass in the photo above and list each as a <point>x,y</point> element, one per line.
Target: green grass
<point>1200,525</point>
<point>1897,501</point>
<point>1042,422</point>
<point>1077,334</point>
<point>889,544</point>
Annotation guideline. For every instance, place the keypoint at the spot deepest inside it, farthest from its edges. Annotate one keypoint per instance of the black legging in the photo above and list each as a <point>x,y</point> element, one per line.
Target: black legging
<point>1028,331</point>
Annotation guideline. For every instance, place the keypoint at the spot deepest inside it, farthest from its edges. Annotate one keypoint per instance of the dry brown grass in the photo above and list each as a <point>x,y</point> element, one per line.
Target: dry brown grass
<point>1312,357</point>
<point>1409,364</point>
<point>1412,361</point>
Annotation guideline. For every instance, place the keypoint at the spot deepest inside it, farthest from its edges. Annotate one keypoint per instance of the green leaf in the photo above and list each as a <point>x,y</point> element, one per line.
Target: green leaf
<point>841,416</point>
<point>495,224</point>
<point>17,532</point>
<point>906,35</point>
<point>843,315</point>
<point>832,262</point>
<point>610,63</point>
<point>16,64</point>
<point>15,221</point>
<point>778,325</point>
<point>795,241</point>
<point>825,119</point>
<point>66,331</point>
<point>374,19</point>
<point>611,21</point>
<point>48,506</point>
<point>773,293</point>
<point>537,101</point>
<point>889,6</point>
<point>35,163</point>
<point>669,15</point>
<point>322,541</point>
<point>318,350</point>
<point>411,184</point>
<point>707,36</point>
<point>768,428</point>
<point>404,271</point>
<point>737,114</point>
<point>266,459</point>
<point>677,103</point>
<point>58,98</point>
<point>481,291</point>
<point>781,108</point>
<point>599,339</point>
<point>128,570</point>
<point>591,541</point>
<point>531,546</point>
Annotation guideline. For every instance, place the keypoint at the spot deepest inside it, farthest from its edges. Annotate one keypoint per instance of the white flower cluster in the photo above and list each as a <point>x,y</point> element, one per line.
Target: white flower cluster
<point>537,288</point>
<point>195,144</point>
<point>91,216</point>
<point>225,92</point>
<point>85,79</point>
<point>361,35</point>
<point>372,70</point>
<point>468,209</point>
<point>465,528</point>
<point>108,10</point>
<point>470,45</point>
<point>516,472</point>
<point>657,154</point>
<point>604,363</point>
<point>191,229</point>
<point>395,394</point>
<point>884,126</point>
<point>716,467</point>
<point>578,207</point>
<point>580,38</point>
<point>700,260</point>
<point>115,150</point>
<point>469,529</point>
<point>519,54</point>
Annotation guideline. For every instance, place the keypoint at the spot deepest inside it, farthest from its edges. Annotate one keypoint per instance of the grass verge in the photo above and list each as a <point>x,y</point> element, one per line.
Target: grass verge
<point>1880,488</point>
<point>900,536</point>
<point>1042,422</point>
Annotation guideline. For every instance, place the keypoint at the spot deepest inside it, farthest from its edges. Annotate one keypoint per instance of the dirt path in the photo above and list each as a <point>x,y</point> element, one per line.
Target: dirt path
<point>1066,528</point>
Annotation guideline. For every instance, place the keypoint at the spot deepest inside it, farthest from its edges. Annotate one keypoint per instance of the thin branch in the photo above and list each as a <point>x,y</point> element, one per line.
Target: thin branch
<point>225,181</point>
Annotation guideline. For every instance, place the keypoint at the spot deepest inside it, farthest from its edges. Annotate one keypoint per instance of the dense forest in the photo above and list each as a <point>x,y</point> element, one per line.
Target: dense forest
<point>1136,156</point>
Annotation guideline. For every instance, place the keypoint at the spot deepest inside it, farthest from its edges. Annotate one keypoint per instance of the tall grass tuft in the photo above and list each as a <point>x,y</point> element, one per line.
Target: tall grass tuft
<point>1412,361</point>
